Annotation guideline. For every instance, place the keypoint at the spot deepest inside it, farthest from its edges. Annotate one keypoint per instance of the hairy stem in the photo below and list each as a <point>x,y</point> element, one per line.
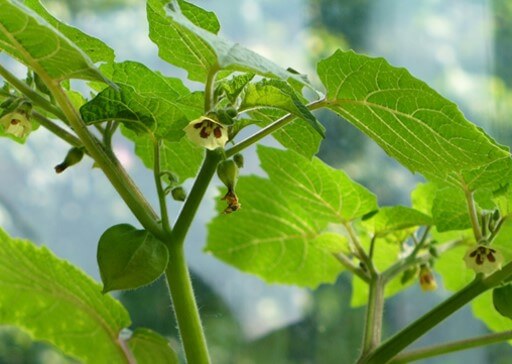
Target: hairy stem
<point>473,215</point>
<point>451,347</point>
<point>374,313</point>
<point>159,188</point>
<point>57,130</point>
<point>347,263</point>
<point>390,348</point>
<point>185,306</point>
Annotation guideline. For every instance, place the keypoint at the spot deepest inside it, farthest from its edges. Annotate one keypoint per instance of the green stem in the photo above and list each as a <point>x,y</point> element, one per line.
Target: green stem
<point>374,313</point>
<point>159,189</point>
<point>209,90</point>
<point>418,328</point>
<point>195,197</point>
<point>361,254</point>
<point>178,279</point>
<point>347,263</point>
<point>108,163</point>
<point>269,129</point>
<point>185,307</point>
<point>34,96</point>
<point>451,347</point>
<point>473,215</point>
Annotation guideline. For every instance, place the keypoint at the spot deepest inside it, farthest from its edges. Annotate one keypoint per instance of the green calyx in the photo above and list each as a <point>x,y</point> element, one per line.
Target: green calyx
<point>228,173</point>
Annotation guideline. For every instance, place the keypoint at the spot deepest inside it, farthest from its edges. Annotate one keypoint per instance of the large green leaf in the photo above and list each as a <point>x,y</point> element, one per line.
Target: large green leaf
<point>30,39</point>
<point>93,47</point>
<point>324,192</point>
<point>449,210</point>
<point>281,232</point>
<point>187,38</point>
<point>411,122</point>
<point>274,238</point>
<point>56,302</point>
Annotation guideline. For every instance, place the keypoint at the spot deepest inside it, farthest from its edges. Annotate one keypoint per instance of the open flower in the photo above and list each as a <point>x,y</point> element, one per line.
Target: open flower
<point>16,123</point>
<point>207,133</point>
<point>483,259</point>
<point>427,279</point>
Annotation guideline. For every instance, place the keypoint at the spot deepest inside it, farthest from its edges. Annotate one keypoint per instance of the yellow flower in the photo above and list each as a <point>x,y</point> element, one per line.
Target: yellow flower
<point>427,279</point>
<point>16,123</point>
<point>483,259</point>
<point>207,133</point>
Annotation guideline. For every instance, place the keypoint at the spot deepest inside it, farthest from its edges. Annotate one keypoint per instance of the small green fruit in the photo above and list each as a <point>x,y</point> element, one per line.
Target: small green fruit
<point>179,194</point>
<point>228,173</point>
<point>74,156</point>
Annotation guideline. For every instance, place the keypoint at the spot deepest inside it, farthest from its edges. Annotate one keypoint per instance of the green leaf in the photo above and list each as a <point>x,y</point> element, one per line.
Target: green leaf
<point>144,101</point>
<point>184,38</point>
<point>274,238</point>
<point>502,300</point>
<point>54,301</point>
<point>149,347</point>
<point>324,192</point>
<point>449,210</point>
<point>280,233</point>
<point>93,47</point>
<point>422,197</point>
<point>129,258</point>
<point>412,122</point>
<point>278,94</point>
<point>233,86</point>
<point>483,309</point>
<point>391,219</point>
<point>30,39</point>
<point>297,135</point>
<point>182,158</point>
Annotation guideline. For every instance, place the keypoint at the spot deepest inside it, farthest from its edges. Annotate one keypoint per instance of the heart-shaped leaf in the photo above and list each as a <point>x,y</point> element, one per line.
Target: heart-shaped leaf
<point>129,258</point>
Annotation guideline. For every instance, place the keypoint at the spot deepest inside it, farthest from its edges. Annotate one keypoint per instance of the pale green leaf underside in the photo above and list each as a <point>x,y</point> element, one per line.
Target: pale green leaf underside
<point>199,51</point>
<point>93,47</point>
<point>324,192</point>
<point>144,101</point>
<point>298,135</point>
<point>30,39</point>
<point>54,301</point>
<point>410,121</point>
<point>149,347</point>
<point>394,218</point>
<point>449,210</point>
<point>274,238</point>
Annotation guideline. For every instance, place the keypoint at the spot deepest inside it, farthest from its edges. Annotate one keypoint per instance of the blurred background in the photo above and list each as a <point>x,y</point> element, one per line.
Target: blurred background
<point>460,48</point>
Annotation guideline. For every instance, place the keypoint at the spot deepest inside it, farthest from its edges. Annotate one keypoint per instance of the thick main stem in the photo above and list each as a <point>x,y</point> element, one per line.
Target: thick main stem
<point>374,313</point>
<point>185,307</point>
<point>418,328</point>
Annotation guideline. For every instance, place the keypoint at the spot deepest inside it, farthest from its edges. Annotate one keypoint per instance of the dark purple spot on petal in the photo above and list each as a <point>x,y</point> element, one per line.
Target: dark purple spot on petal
<point>15,121</point>
<point>479,260</point>
<point>491,258</point>
<point>204,134</point>
<point>198,125</point>
<point>217,132</point>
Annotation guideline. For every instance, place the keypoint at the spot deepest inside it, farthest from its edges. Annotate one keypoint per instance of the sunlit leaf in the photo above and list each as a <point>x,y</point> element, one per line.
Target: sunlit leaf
<point>393,218</point>
<point>411,122</point>
<point>56,302</point>
<point>30,39</point>
<point>149,347</point>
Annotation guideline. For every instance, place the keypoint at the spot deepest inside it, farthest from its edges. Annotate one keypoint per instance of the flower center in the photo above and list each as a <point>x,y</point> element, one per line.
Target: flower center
<point>207,128</point>
<point>481,253</point>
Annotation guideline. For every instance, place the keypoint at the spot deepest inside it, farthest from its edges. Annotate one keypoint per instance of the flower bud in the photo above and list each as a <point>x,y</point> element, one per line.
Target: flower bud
<point>427,279</point>
<point>227,171</point>
<point>239,160</point>
<point>74,156</point>
<point>179,194</point>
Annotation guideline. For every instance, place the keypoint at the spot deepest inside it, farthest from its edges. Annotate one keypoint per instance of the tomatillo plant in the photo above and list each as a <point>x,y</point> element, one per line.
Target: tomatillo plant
<point>303,224</point>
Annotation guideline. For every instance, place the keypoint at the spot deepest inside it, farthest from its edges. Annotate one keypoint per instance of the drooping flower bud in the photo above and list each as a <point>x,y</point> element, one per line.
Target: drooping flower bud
<point>179,194</point>
<point>483,259</point>
<point>74,156</point>
<point>427,279</point>
<point>207,133</point>
<point>239,160</point>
